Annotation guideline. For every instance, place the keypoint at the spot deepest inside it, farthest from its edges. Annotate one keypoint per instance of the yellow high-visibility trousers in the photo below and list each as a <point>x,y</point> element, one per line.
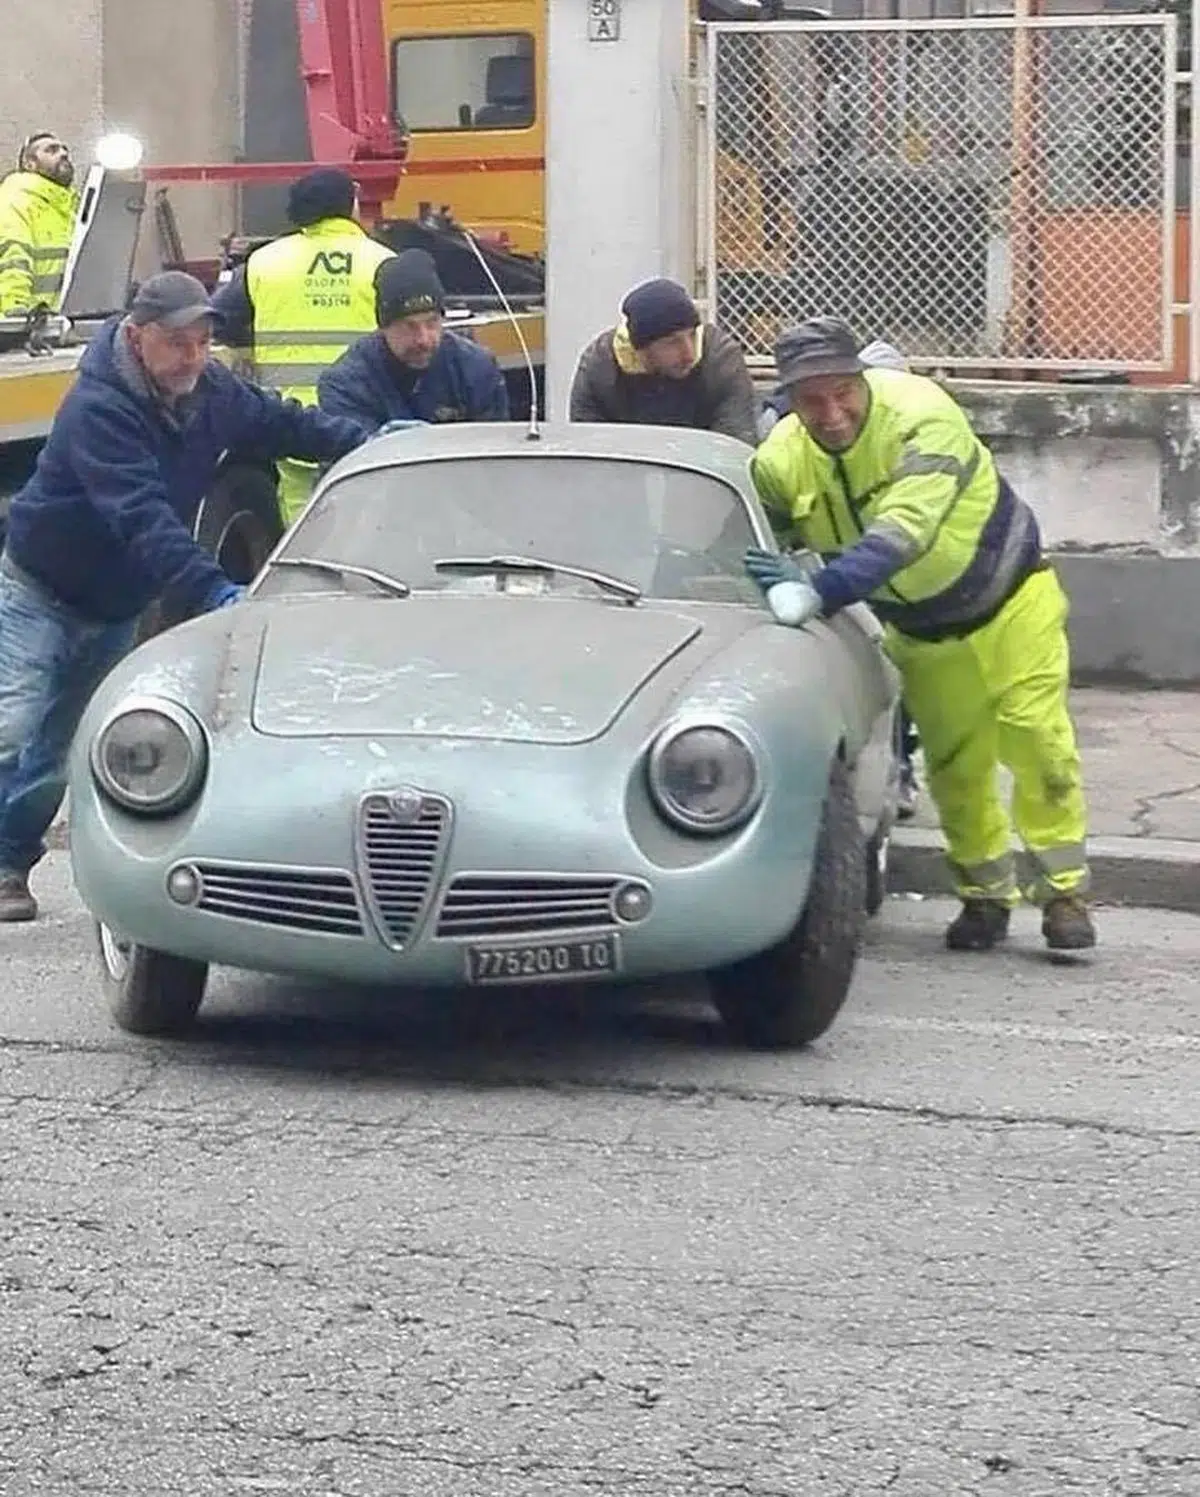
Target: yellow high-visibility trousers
<point>296,482</point>
<point>999,696</point>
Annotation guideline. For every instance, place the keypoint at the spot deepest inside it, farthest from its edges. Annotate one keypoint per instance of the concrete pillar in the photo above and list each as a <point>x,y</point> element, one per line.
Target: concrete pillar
<point>618,124</point>
<point>52,75</point>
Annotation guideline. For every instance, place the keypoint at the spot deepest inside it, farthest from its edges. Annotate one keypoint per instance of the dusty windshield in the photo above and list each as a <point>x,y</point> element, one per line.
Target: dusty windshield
<point>672,532</point>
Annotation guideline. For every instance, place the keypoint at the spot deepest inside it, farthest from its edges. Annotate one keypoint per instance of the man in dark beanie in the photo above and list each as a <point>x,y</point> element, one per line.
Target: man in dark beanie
<point>661,366</point>
<point>300,301</point>
<point>413,368</point>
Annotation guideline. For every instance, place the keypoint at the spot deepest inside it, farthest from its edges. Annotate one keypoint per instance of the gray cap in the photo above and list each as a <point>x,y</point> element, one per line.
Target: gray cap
<point>822,345</point>
<point>172,298</point>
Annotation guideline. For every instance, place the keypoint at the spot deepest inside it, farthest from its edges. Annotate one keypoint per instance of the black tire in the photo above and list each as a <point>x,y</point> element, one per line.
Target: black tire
<point>788,996</point>
<point>239,525</point>
<point>149,992</point>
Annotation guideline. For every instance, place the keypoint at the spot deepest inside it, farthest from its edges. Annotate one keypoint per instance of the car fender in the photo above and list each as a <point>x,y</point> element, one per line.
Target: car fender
<point>777,688</point>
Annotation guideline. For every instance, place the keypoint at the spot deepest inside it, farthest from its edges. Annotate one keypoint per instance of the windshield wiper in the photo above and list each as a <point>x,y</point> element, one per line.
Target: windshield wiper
<point>475,566</point>
<point>386,584</point>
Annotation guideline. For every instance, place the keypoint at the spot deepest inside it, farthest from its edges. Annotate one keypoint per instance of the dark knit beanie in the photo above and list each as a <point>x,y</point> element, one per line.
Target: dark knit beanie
<point>406,285</point>
<point>325,193</point>
<point>656,309</point>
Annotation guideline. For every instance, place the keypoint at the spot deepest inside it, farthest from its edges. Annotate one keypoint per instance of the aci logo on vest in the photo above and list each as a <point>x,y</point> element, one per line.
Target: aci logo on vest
<point>326,281</point>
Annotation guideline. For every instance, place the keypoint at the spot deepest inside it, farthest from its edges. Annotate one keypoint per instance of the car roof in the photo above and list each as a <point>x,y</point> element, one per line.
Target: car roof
<point>683,447</point>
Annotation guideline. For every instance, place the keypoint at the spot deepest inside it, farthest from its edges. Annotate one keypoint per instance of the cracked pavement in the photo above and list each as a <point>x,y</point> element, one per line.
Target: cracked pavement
<point>553,1244</point>
<point>1141,763</point>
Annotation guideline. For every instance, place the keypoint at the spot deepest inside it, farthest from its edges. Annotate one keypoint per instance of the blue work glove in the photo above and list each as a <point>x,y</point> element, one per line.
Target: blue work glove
<point>390,426</point>
<point>794,603</point>
<point>223,595</point>
<point>769,567</point>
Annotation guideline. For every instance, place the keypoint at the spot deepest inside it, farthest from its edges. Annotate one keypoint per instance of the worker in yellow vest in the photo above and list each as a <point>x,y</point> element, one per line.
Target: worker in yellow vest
<point>37,219</point>
<point>299,302</point>
<point>881,474</point>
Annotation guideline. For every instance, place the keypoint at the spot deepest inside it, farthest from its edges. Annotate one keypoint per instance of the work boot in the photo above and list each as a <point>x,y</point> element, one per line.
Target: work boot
<point>1066,924</point>
<point>16,902</point>
<point>979,925</point>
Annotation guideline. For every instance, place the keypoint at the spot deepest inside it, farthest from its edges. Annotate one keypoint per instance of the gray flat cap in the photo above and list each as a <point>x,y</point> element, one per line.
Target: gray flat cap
<point>172,298</point>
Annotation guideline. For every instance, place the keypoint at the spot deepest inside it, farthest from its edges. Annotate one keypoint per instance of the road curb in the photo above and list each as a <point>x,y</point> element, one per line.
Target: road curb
<point>1149,871</point>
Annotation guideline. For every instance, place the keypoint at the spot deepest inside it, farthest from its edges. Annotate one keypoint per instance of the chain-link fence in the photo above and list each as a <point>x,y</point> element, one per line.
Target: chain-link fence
<point>980,192</point>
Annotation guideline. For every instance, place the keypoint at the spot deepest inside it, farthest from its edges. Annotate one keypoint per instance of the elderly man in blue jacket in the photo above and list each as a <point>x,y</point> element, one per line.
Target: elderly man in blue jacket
<point>413,369</point>
<point>103,528</point>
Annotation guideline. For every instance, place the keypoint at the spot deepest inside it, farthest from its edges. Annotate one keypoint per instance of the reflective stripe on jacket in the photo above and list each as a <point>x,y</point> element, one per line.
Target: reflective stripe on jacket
<point>917,483</point>
<point>37,219</point>
<point>313,295</point>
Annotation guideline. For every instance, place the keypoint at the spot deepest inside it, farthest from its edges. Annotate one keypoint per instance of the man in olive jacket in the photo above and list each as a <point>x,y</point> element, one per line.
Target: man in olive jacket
<point>661,366</point>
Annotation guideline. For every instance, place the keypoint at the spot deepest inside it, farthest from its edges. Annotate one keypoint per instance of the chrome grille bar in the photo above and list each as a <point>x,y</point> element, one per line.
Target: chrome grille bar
<point>403,839</point>
<point>490,904</point>
<point>323,902</point>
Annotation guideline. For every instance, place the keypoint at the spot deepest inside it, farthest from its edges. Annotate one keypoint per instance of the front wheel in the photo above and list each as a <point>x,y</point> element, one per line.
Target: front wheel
<point>149,992</point>
<point>789,995</point>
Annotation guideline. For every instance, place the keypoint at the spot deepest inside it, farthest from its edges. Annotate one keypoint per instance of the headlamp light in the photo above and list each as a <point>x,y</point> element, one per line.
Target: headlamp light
<point>150,757</point>
<point>119,152</point>
<point>704,778</point>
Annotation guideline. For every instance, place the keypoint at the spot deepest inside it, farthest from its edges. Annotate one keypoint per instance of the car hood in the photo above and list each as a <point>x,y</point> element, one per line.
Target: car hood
<point>526,670</point>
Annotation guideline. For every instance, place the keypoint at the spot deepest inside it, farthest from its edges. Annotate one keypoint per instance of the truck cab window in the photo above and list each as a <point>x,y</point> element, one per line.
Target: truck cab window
<point>481,82</point>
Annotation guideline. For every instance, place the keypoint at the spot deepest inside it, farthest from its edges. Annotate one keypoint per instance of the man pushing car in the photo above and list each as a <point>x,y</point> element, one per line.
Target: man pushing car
<point>880,472</point>
<point>103,528</point>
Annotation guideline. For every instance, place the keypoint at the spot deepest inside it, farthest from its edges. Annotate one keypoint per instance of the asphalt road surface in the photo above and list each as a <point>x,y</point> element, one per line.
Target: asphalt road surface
<point>549,1245</point>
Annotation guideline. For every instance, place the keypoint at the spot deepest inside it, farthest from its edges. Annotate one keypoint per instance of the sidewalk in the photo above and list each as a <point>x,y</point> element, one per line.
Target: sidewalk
<point>1141,766</point>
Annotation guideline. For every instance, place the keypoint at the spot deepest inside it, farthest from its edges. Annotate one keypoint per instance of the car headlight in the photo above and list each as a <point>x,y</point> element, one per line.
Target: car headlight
<point>151,757</point>
<point>704,778</point>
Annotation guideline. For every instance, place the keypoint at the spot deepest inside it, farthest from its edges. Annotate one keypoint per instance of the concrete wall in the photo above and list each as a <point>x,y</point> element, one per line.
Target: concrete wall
<point>51,73</point>
<point>170,76</point>
<point>165,70</point>
<point>1114,475</point>
<point>616,212</point>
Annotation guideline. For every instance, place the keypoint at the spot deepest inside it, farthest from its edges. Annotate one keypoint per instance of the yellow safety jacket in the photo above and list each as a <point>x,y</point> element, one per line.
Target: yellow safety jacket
<point>37,219</point>
<point>914,511</point>
<point>313,294</point>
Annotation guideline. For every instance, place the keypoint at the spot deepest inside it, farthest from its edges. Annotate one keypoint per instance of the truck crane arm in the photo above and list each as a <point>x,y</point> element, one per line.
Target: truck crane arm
<point>344,66</point>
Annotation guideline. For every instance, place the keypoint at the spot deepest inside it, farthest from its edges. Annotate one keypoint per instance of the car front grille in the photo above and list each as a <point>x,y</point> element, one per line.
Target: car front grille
<point>321,902</point>
<point>403,839</point>
<point>516,904</point>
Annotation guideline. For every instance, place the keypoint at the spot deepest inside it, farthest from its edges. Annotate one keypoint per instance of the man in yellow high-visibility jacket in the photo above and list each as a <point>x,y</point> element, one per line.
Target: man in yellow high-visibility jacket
<point>881,473</point>
<point>37,218</point>
<point>299,302</point>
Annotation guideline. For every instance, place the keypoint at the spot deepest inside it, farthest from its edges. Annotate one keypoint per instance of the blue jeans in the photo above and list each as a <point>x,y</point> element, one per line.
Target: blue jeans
<point>51,660</point>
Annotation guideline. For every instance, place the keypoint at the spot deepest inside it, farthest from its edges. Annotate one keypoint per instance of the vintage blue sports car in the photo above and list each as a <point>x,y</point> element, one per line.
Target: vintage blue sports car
<point>499,709</point>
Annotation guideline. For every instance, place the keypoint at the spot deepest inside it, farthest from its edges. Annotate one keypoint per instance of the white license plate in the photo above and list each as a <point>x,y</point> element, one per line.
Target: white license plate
<point>544,961</point>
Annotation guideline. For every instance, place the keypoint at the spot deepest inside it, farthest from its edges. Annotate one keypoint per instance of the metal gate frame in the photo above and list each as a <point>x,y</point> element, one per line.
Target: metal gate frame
<point>709,36</point>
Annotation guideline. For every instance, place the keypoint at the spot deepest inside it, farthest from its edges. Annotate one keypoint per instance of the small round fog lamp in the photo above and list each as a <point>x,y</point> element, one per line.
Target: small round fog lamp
<point>183,884</point>
<point>632,902</point>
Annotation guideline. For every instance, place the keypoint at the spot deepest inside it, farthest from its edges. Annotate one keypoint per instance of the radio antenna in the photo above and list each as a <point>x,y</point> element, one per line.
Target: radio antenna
<point>533,433</point>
